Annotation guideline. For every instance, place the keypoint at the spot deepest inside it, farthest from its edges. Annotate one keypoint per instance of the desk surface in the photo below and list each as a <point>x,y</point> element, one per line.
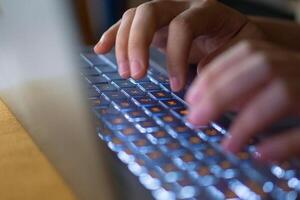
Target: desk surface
<point>25,173</point>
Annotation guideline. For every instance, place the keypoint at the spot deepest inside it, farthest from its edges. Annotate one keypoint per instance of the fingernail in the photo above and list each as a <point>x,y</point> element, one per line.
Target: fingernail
<point>175,83</point>
<point>136,68</point>
<point>101,40</point>
<point>124,69</point>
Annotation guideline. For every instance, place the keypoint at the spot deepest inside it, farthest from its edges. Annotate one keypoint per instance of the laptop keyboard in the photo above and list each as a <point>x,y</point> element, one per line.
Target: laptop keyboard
<point>143,122</point>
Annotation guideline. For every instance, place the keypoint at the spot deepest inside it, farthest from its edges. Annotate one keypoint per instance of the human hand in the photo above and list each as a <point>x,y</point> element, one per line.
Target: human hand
<point>189,31</point>
<point>265,81</point>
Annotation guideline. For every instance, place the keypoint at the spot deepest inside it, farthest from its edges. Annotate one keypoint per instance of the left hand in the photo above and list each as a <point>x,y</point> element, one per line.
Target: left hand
<point>265,81</point>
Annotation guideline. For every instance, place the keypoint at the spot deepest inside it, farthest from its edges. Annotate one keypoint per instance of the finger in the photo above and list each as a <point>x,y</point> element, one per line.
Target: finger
<point>144,26</point>
<point>280,147</point>
<point>107,40</point>
<point>269,105</point>
<point>216,68</point>
<point>230,88</point>
<point>122,43</point>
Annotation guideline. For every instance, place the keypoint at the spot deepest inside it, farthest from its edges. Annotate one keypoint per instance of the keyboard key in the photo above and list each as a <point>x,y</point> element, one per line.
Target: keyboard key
<point>172,147</point>
<point>141,143</point>
<point>186,160</point>
<point>113,95</point>
<point>147,124</point>
<point>116,122</point>
<point>90,72</point>
<point>94,59</point>
<point>193,142</point>
<point>115,144</point>
<point>105,68</point>
<point>92,93</point>
<point>105,87</point>
<point>124,84</point>
<point>154,155</point>
<point>162,78</point>
<point>148,87</point>
<point>222,188</point>
<point>182,111</point>
<point>136,115</point>
<point>143,80</point>
<point>106,111</point>
<point>181,130</point>
<point>203,175</point>
<point>145,101</point>
<point>96,79</point>
<point>212,134</point>
<point>158,136</point>
<point>169,119</point>
<point>173,103</point>
<point>157,110</point>
<point>134,92</point>
<point>129,132</point>
<point>113,76</point>
<point>161,95</point>
<point>99,102</point>
<point>124,104</point>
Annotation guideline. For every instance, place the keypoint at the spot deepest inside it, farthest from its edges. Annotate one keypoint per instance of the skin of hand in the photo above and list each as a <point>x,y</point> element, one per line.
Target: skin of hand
<point>265,80</point>
<point>188,31</point>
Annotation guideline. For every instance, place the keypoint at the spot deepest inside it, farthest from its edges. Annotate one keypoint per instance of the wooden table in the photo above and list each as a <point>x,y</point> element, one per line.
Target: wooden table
<point>25,173</point>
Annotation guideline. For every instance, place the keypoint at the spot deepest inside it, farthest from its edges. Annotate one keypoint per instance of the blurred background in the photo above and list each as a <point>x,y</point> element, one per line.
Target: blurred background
<point>97,15</point>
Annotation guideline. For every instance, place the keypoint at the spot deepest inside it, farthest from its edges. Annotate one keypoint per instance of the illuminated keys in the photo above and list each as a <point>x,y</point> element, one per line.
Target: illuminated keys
<point>181,130</point>
<point>92,93</point>
<point>157,110</point>
<point>106,112</point>
<point>116,122</point>
<point>99,102</point>
<point>173,103</point>
<point>155,155</point>
<point>256,188</point>
<point>141,143</point>
<point>158,136</point>
<point>129,131</point>
<point>105,87</point>
<point>134,92</point>
<point>212,134</point>
<point>125,104</point>
<point>160,95</point>
<point>225,190</point>
<point>113,95</point>
<point>182,111</point>
<point>169,119</point>
<point>148,87</point>
<point>203,175</point>
<point>145,101</point>
<point>193,142</point>
<point>136,115</point>
<point>147,124</point>
<point>115,144</point>
<point>243,156</point>
<point>186,160</point>
<point>124,83</point>
<point>171,147</point>
<point>162,79</point>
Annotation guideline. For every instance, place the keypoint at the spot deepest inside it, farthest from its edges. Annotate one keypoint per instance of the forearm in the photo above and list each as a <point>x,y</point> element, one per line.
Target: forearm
<point>284,33</point>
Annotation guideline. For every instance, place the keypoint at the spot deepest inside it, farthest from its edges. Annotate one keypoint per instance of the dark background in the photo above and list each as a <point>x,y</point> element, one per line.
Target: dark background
<point>97,15</point>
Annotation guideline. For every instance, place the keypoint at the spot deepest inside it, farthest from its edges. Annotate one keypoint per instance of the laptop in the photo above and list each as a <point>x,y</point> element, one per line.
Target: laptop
<point>97,128</point>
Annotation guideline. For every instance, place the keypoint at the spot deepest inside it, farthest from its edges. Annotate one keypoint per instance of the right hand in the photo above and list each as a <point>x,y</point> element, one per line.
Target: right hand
<point>188,31</point>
